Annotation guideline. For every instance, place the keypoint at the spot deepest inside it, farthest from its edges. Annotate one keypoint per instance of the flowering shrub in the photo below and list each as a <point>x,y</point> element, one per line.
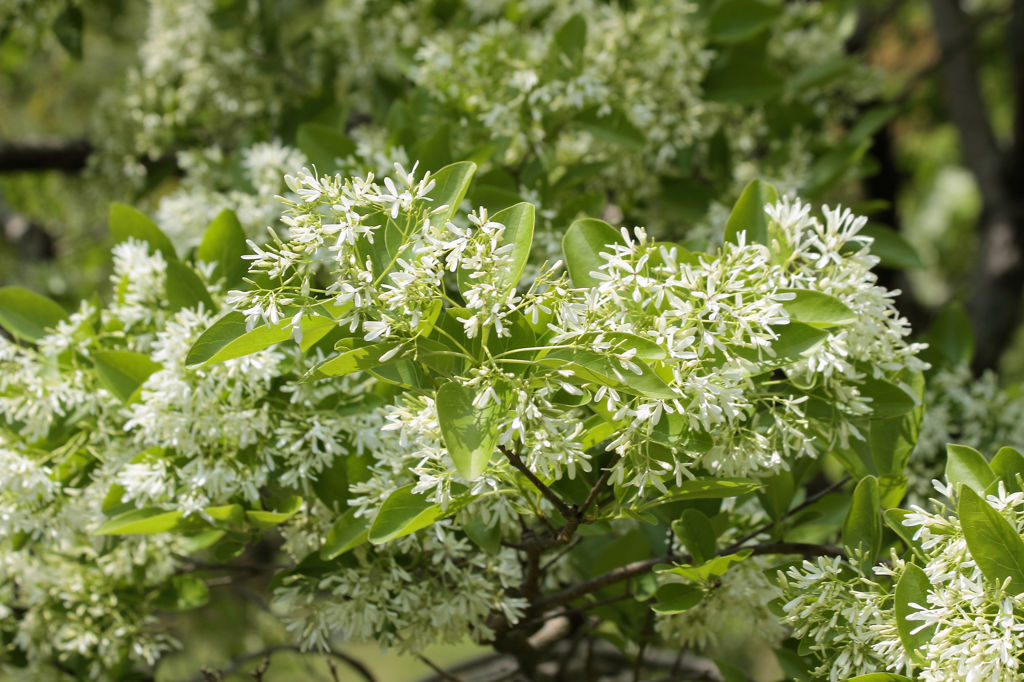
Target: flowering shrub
<point>446,446</point>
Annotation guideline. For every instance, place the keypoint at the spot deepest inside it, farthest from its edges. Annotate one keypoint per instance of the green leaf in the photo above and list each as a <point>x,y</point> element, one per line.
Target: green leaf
<point>621,342</point>
<point>676,598</point>
<point>994,545</point>
<point>794,341</point>
<point>737,20</point>
<point>695,531</point>
<point>891,248</point>
<point>582,245</point>
<point>742,75</point>
<point>894,519</point>
<point>862,528</point>
<point>486,536</point>
<point>450,185</point>
<point>434,151</point>
<point>68,28</point>
<point>613,126</point>
<point>324,146</point>
<point>1008,464</point>
<point>233,514</point>
<point>887,399</point>
<point>401,514</point>
<point>184,288</point>
<point>361,357</point>
<point>817,309</point>
<point>518,221</point>
<point>570,39</point>
<point>122,372</point>
<point>748,213</point>
<point>710,570</point>
<point>26,314</point>
<point>141,522</point>
<point>912,588</point>
<point>348,532</point>
<point>594,367</point>
<point>704,489</point>
<point>227,339</point>
<point>470,433</point>
<point>224,244</point>
<point>968,466</point>
<point>128,223</point>
<point>268,519</point>
<point>950,337</point>
<point>182,593</point>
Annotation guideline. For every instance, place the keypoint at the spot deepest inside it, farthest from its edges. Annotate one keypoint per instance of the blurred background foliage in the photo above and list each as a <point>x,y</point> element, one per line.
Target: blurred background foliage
<point>909,111</point>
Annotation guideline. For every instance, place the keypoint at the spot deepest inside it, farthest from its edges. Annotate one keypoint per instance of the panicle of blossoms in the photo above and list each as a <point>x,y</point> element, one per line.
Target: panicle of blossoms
<point>849,620</point>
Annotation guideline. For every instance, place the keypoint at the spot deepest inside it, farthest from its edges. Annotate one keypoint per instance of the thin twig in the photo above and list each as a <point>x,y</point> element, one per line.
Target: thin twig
<point>599,486</point>
<point>441,672</point>
<point>266,652</point>
<point>516,461</point>
<point>795,510</point>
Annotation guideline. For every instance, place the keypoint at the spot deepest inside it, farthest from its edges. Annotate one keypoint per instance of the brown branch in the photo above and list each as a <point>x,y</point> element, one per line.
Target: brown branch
<point>441,672</point>
<point>67,156</point>
<point>636,568</point>
<point>235,664</point>
<point>516,461</point>
<point>795,510</point>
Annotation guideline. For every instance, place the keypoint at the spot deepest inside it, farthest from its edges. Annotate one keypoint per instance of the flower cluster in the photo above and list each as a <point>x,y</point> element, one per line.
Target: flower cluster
<point>849,621</point>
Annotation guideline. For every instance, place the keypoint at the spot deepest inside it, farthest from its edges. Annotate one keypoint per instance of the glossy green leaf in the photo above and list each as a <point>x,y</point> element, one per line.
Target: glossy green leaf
<point>182,593</point>
<point>403,513</point>
<point>887,399</point>
<point>862,528</point>
<point>141,522</point>
<point>324,146</point>
<point>710,570</point>
<point>268,519</point>
<point>620,342</point>
<point>450,185</point>
<point>128,223</point>
<point>122,372</point>
<point>518,221</point>
<point>950,337</point>
<point>613,126</point>
<point>748,213</point>
<point>570,39</point>
<point>894,518</point>
<point>361,357</point>
<point>695,531</point>
<point>68,27</point>
<point>994,545</point>
<point>227,338</point>
<point>184,288</point>
<point>470,433</point>
<point>816,308</point>
<point>582,245</point>
<point>705,489</point>
<point>589,366</point>
<point>486,536</point>
<point>26,314</point>
<point>891,248</point>
<point>348,532</point>
<point>912,588</point>
<point>676,598</point>
<point>224,244</point>
<point>733,21</point>
<point>1008,464</point>
<point>968,466</point>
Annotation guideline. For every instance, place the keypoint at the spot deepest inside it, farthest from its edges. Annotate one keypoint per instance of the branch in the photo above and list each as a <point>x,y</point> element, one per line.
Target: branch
<point>265,653</point>
<point>68,156</point>
<point>441,672</point>
<point>795,510</point>
<point>516,461</point>
<point>636,568</point>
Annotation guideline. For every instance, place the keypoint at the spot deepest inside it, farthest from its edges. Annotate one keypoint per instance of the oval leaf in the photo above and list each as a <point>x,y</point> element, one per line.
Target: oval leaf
<point>28,315</point>
<point>126,222</point>
<point>748,213</point>
<point>817,309</point>
<point>470,433</point>
<point>994,545</point>
<point>676,598</point>
<point>122,372</point>
<point>862,528</point>
<point>401,514</point>
<point>224,244</point>
<point>582,245</point>
<point>912,588</point>
<point>968,466</point>
<point>141,522</point>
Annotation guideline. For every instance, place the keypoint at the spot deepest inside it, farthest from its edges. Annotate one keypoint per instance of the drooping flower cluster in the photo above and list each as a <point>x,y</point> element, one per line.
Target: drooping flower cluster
<point>849,621</point>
